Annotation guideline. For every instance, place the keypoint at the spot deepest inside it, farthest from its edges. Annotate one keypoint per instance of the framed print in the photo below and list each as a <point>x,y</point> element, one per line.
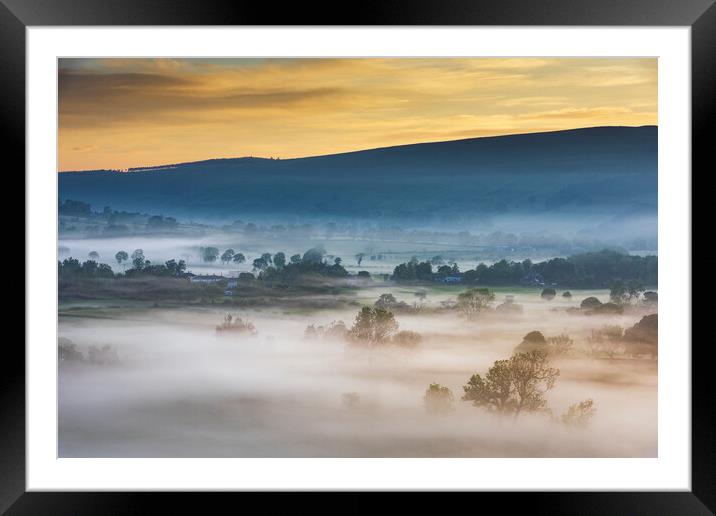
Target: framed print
<point>417,253</point>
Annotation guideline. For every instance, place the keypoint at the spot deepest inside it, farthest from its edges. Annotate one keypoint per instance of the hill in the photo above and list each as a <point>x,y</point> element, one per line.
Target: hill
<point>597,173</point>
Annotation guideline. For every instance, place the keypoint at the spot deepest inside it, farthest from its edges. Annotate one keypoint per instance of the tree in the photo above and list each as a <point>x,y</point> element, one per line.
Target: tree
<point>646,330</point>
<point>359,258</point>
<point>579,414</point>
<point>494,392</point>
<point>138,260</point>
<point>70,207</point>
<point>605,341</point>
<point>618,293</point>
<point>336,330</point>
<point>121,256</point>
<point>102,356</point>
<point>260,264</point>
<point>590,303</point>
<point>93,255</point>
<point>67,351</point>
<point>567,294</point>
<point>236,325</point>
<point>548,294</point>
<point>239,258</point>
<point>407,339</point>
<point>279,260</point>
<point>438,399</point>
<point>634,290</point>
<point>413,270</point>
<point>209,254</point>
<point>651,297</point>
<point>296,258</point>
<point>373,326</point>
<point>158,222</point>
<point>389,302</point>
<point>227,256</point>
<point>267,258</point>
<point>560,345</point>
<point>314,255</point>
<point>534,340</point>
<point>175,268</point>
<point>473,301</point>
<point>513,386</point>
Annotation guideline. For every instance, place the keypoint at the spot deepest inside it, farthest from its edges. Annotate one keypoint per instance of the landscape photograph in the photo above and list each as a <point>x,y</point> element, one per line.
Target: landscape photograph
<point>357,257</point>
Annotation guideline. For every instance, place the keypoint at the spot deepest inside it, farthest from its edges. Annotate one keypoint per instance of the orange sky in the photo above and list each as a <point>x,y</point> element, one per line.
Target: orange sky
<point>119,113</point>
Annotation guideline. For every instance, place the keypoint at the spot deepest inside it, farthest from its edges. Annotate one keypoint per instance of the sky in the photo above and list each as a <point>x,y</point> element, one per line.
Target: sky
<point>120,113</point>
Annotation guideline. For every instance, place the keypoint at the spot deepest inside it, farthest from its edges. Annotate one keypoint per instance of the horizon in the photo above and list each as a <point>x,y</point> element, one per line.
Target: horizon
<point>116,114</point>
<point>160,166</point>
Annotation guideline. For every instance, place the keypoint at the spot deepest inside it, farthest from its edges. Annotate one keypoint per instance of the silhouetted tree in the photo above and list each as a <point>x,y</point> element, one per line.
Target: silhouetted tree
<point>227,256</point>
<point>209,254</point>
<point>279,260</point>
<point>138,260</point>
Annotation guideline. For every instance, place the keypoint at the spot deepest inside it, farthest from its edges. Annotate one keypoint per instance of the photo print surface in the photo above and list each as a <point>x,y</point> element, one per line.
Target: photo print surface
<point>364,257</point>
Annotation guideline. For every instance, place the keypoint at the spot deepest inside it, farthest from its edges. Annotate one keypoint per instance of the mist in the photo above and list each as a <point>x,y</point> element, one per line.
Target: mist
<point>180,389</point>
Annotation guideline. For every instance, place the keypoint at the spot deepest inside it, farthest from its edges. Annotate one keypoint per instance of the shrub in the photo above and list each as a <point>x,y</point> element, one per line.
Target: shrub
<point>579,414</point>
<point>67,351</point>
<point>235,325</point>
<point>606,308</point>
<point>605,341</point>
<point>534,340</point>
<point>103,356</point>
<point>389,302</point>
<point>548,294</point>
<point>438,399</point>
<point>646,330</point>
<point>560,345</point>
<point>335,330</point>
<point>407,339</point>
<point>651,297</point>
<point>589,303</point>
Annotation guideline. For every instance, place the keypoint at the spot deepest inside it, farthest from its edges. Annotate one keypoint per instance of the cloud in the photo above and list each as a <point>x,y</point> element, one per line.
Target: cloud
<point>118,113</point>
<point>103,99</point>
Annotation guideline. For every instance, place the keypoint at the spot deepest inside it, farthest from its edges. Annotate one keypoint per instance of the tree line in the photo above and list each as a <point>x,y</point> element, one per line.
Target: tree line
<point>587,270</point>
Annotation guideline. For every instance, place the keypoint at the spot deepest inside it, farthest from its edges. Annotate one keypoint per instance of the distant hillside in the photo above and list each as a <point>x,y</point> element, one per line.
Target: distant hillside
<point>601,171</point>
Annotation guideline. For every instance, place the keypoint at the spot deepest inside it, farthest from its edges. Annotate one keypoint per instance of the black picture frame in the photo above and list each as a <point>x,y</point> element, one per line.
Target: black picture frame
<point>700,15</point>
